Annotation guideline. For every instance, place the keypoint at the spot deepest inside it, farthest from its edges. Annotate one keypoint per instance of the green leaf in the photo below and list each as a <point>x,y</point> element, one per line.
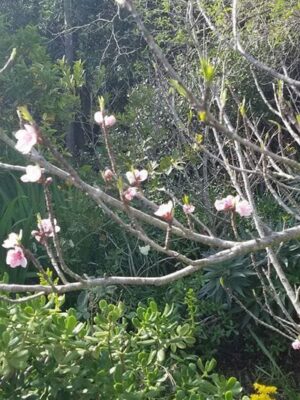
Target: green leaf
<point>25,114</point>
<point>228,395</point>
<point>161,355</point>
<point>207,70</point>
<point>70,323</point>
<point>102,304</point>
<point>29,310</point>
<point>113,315</point>
<point>179,88</point>
<point>210,365</point>
<point>231,382</point>
<point>185,199</point>
<point>200,365</point>
<point>101,102</point>
<point>78,328</point>
<point>153,306</point>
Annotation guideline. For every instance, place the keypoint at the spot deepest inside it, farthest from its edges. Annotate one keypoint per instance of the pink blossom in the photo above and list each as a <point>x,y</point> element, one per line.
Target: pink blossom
<point>296,344</point>
<point>45,229</point>
<point>135,177</point>
<point>243,208</point>
<point>13,240</point>
<point>130,193</point>
<point>45,226</point>
<point>109,120</point>
<point>188,208</point>
<point>165,211</point>
<point>108,175</point>
<point>33,174</point>
<point>226,204</point>
<point>15,257</point>
<point>27,138</point>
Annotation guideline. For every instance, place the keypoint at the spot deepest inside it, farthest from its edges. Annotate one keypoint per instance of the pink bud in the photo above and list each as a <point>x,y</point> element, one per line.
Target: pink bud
<point>109,121</point>
<point>33,174</point>
<point>165,211</point>
<point>135,177</point>
<point>188,208</point>
<point>27,138</point>
<point>130,193</point>
<point>15,257</point>
<point>108,175</point>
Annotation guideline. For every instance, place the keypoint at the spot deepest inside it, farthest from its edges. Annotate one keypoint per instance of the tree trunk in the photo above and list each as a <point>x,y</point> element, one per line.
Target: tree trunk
<point>69,56</point>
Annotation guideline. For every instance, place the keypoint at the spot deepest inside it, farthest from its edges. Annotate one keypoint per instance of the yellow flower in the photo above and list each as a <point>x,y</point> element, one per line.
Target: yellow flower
<point>262,396</point>
<point>262,389</point>
<point>263,392</point>
<point>255,397</point>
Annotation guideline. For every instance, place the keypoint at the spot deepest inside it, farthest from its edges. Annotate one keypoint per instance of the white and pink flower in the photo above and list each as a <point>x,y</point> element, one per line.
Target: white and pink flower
<point>14,239</point>
<point>231,203</point>
<point>135,177</point>
<point>27,138</point>
<point>15,257</point>
<point>45,229</point>
<point>188,208</point>
<point>108,120</point>
<point>243,208</point>
<point>33,174</point>
<point>130,193</point>
<point>226,204</point>
<point>296,344</point>
<point>165,211</point>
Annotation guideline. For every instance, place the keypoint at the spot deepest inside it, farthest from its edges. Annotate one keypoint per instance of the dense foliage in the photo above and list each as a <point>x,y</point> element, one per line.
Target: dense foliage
<point>145,354</point>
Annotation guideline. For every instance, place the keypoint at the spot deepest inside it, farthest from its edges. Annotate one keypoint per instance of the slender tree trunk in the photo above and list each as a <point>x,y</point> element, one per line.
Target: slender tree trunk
<point>69,55</point>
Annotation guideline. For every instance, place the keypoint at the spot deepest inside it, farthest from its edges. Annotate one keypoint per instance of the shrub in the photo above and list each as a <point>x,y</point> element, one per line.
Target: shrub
<point>48,353</point>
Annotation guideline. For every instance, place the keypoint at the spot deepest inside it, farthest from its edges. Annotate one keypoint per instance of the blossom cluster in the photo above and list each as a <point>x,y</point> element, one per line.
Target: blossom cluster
<point>16,254</point>
<point>135,178</point>
<point>107,120</point>
<point>231,203</point>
